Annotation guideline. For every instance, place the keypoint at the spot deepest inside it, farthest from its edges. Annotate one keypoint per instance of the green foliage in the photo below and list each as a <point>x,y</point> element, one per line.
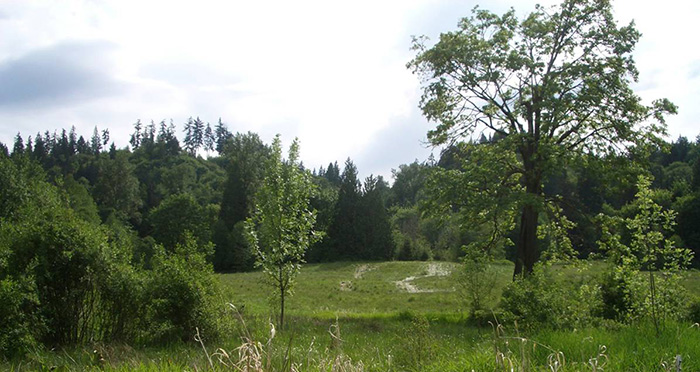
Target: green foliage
<point>418,346</point>
<point>477,279</point>
<point>182,293</point>
<point>485,201</point>
<point>409,183</point>
<point>547,86</point>
<point>344,231</point>
<point>117,189</point>
<point>282,226</point>
<point>377,239</point>
<point>543,300</point>
<point>646,253</point>
<point>20,329</point>
<point>688,218</point>
<point>244,160</point>
<point>176,215</point>
<point>80,200</point>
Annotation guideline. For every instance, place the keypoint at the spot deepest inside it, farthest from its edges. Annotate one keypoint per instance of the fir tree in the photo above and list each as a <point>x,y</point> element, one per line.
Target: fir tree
<point>344,231</point>
<point>95,142</point>
<point>209,139</point>
<point>18,148</point>
<point>222,136</point>
<point>136,137</point>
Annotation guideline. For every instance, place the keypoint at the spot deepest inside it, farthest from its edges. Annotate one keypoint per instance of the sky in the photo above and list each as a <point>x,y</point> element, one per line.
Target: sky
<point>330,72</point>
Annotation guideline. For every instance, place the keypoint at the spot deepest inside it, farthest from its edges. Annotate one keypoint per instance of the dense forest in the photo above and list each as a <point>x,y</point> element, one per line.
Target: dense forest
<point>86,225</point>
<point>160,187</point>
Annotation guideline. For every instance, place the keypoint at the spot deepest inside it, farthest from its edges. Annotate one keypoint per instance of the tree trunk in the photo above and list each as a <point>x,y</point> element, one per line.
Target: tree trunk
<point>526,245</point>
<point>281,309</point>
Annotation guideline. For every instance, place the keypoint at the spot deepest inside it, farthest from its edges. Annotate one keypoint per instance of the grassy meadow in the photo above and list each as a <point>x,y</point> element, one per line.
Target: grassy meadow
<point>389,316</point>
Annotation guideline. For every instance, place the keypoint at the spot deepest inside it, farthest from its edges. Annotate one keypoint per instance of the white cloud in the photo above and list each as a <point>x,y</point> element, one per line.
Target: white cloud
<point>329,72</point>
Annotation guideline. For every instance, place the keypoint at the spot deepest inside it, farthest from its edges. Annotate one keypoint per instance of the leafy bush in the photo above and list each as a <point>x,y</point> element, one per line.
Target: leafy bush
<point>63,257</point>
<point>20,329</point>
<point>541,300</point>
<point>648,265</point>
<point>694,311</point>
<point>181,293</point>
<point>614,287</point>
<point>477,278</point>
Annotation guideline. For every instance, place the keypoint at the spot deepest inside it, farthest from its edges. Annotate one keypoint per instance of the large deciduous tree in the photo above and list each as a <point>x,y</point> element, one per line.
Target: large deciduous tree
<point>282,225</point>
<point>547,86</point>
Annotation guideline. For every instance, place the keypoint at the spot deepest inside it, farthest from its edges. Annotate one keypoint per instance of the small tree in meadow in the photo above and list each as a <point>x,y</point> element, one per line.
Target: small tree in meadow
<point>477,279</point>
<point>648,252</point>
<point>281,227</point>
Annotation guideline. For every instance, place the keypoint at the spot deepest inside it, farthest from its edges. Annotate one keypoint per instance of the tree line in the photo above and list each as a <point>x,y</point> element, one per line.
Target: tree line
<point>159,189</point>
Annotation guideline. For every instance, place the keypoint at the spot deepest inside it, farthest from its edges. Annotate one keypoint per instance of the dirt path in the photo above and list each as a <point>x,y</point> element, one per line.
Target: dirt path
<point>362,269</point>
<point>434,269</point>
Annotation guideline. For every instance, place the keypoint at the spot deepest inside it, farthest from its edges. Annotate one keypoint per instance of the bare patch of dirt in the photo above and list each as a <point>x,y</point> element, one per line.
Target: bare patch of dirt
<point>346,286</point>
<point>433,269</point>
<point>362,269</point>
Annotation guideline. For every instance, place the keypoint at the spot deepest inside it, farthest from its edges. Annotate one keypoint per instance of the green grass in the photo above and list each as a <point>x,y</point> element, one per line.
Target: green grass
<point>329,289</point>
<point>376,319</point>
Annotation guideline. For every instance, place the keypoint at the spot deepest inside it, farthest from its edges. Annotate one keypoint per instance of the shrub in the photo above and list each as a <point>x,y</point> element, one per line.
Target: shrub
<point>418,345</point>
<point>477,278</point>
<point>541,300</point>
<point>20,329</point>
<point>61,257</point>
<point>694,310</point>
<point>181,293</point>
<point>614,288</point>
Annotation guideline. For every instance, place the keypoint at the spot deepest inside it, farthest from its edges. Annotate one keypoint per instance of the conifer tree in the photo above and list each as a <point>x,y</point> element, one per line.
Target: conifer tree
<point>378,242</point>
<point>222,136</point>
<point>209,139</point>
<point>95,142</point>
<point>18,148</point>
<point>344,231</point>
<point>136,137</point>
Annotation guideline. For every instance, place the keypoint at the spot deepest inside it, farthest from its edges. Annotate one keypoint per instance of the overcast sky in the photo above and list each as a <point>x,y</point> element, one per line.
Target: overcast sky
<point>329,72</point>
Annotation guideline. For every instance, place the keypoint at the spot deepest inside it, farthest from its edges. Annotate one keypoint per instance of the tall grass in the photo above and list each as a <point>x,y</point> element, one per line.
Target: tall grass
<point>422,336</point>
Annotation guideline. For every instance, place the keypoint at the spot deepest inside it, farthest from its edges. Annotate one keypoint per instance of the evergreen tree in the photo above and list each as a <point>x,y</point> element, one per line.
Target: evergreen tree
<point>95,142</point>
<point>344,232</point>
<point>222,136</point>
<point>136,137</point>
<point>245,156</point>
<point>162,132</point>
<point>82,146</point>
<point>72,141</point>
<point>18,148</point>
<point>332,174</point>
<point>190,137</point>
<point>30,147</point>
<point>376,229</point>
<point>40,150</point>
<point>167,138</point>
<point>209,139</point>
<point>696,175</point>
<point>149,134</point>
<point>198,134</point>
<point>105,137</point>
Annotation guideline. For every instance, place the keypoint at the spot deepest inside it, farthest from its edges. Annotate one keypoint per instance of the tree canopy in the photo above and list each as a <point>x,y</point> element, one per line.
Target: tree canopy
<point>549,85</point>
